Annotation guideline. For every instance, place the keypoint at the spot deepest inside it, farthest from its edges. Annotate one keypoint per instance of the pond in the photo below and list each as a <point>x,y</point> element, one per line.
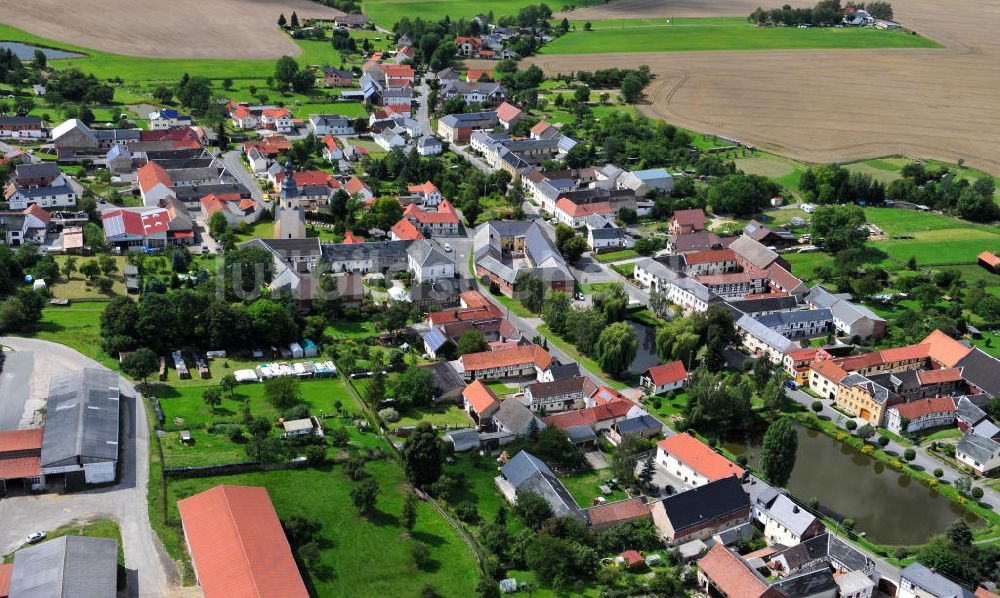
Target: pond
<point>26,52</point>
<point>892,508</point>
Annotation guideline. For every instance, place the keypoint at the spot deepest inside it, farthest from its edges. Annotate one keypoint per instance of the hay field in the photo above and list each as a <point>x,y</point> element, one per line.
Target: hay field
<point>831,105</point>
<point>230,29</point>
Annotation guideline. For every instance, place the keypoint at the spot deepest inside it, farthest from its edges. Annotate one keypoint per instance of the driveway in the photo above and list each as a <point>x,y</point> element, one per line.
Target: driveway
<point>149,569</point>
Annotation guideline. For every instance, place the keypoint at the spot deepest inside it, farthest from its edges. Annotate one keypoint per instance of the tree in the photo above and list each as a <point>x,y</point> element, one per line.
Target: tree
<point>196,94</point>
<point>865,432</point>
<point>90,269</point>
<point>282,392</point>
<point>623,459</point>
<point>648,471</point>
<point>285,71</point>
<point>555,310</point>
<point>616,347</point>
<point>839,227</point>
<point>364,494</point>
<point>409,512</point>
<point>414,386</point>
<point>163,94</point>
<point>717,402</point>
<point>218,226</point>
<point>421,554</point>
<point>742,194</point>
<point>386,211</point>
<point>631,88</point>
<point>472,341</point>
<point>140,364</point>
<point>422,456</point>
<point>582,94</point>
<point>294,21</point>
<point>212,396</point>
<point>40,59</point>
<point>228,384</point>
<point>777,452</point>
<point>530,291</point>
<point>817,406</point>
<point>532,509</point>
<point>574,248</point>
<point>282,21</point>
<point>108,265</point>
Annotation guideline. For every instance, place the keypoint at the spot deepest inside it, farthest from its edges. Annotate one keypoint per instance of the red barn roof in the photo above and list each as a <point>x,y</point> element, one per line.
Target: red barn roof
<point>237,544</point>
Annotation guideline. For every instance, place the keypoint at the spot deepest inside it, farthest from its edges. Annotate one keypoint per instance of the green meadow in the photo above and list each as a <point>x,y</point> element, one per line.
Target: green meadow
<point>684,35</point>
<point>388,12</point>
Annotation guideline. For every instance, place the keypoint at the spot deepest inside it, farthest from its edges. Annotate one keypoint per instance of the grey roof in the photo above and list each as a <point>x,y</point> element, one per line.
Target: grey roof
<point>743,531</point>
<point>986,429</point>
<point>754,252</point>
<point>70,566</point>
<point>514,416</point>
<point>329,120</point>
<point>327,70</point>
<point>337,252</point>
<point>179,175</point>
<point>853,582</point>
<point>765,304</point>
<point>29,192</point>
<point>528,473</point>
<point>982,370</point>
<point>978,447</point>
<point>608,233</point>
<point>657,269</point>
<point>968,412</point>
<point>81,420</point>
<point>463,440</point>
<point>467,119</point>
<point>848,312</point>
<point>34,171</point>
<point>578,384</point>
<point>428,141</point>
<point>435,339</point>
<point>639,425</point>
<point>426,253</point>
<point>933,583</point>
<point>694,287</point>
<point>560,371</point>
<point>791,515</point>
<point>581,433</point>
<point>446,379</point>
<point>764,334</point>
<point>761,493</point>
<point>785,318</point>
<point>813,582</point>
<point>878,392</point>
<point>285,248</point>
<point>20,120</point>
<point>704,503</point>
<point>497,267</point>
<point>844,554</point>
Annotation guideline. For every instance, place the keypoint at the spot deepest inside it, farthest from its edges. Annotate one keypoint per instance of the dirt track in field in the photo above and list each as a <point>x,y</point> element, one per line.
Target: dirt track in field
<point>831,105</point>
<point>230,29</point>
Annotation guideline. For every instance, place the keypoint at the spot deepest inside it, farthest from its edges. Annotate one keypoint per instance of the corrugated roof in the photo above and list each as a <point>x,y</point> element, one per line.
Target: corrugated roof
<point>81,417</point>
<point>237,544</point>
<point>69,566</point>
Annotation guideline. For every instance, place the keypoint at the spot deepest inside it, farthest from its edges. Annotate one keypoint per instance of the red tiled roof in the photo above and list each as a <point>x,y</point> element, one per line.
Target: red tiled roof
<point>700,457</point>
<point>475,41</point>
<point>237,545</point>
<point>707,257</point>
<point>241,112</point>
<point>732,575</point>
<point>582,210</point>
<point>438,217</point>
<point>540,127</point>
<point>618,512</point>
<point>632,558</point>
<point>945,349</point>
<point>694,218</point>
<point>487,311</point>
<point>398,71</point>
<point>151,174</point>
<point>829,370</point>
<point>990,259</point>
<point>487,53</point>
<point>405,231</point>
<point>21,440</point>
<point>938,376</point>
<point>982,592</point>
<point>309,177</point>
<point>906,353</point>
<point>350,238</point>
<point>473,299</point>
<point>277,113</point>
<point>476,75</point>
<point>38,212</point>
<point>803,354</point>
<point>424,189</point>
<point>605,395</point>
<point>667,373</point>
<point>20,467</point>
<point>355,185</point>
<point>401,109</point>
<point>524,354</point>
<point>6,571</point>
<point>505,111</point>
<point>860,362</point>
<point>923,407</point>
<point>211,204</point>
<point>590,416</point>
<point>330,142</point>
<point>480,397</point>
<point>783,277</point>
<point>246,203</point>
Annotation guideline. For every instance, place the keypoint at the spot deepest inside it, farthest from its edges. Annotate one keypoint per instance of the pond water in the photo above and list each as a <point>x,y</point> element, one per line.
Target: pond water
<point>26,52</point>
<point>892,508</point>
<point>645,356</point>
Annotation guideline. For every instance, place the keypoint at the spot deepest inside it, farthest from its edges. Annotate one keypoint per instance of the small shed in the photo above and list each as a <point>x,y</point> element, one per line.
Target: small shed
<point>653,560</point>
<point>38,285</point>
<point>990,261</point>
<point>309,348</point>
<point>463,440</point>
<point>631,559</point>
<point>186,437</point>
<point>296,350</point>
<point>582,436</point>
<point>299,427</point>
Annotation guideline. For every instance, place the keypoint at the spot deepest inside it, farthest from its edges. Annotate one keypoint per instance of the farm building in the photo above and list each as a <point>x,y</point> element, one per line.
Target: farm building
<point>67,566</point>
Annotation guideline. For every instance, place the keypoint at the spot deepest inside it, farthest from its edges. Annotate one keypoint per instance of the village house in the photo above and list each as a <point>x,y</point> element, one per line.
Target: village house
<point>429,145</point>
<point>440,222</point>
<point>42,184</point>
<point>235,209</point>
<point>693,461</point>
<point>503,249</point>
<point>990,261</point>
<point>701,512</point>
<point>808,323</point>
<point>488,92</point>
<point>149,228</point>
<point>643,182</point>
<point>601,416</point>
<point>920,414</point>
<point>458,128</point>
<point>508,115</point>
<point>664,378</point>
<point>21,127</point>
<point>825,377</point>
<point>690,295</point>
<point>612,514</point>
<point>165,118</point>
<point>428,193</point>
<point>526,361</point>
<point>777,239</point>
<point>685,222</point>
<point>788,524</point>
<point>864,398</point>
<point>29,225</point>
<point>277,119</point>
<point>65,566</point>
<point>351,21</point>
<point>761,341</point>
<point>332,152</point>
<point>717,261</point>
<point>721,572</point>
<point>980,453</point>
<point>654,275</point>
<point>337,77</point>
<point>480,403</point>
<point>526,473</point>
<point>428,263</point>
<point>643,426</point>
<point>796,364</point>
<point>603,234</point>
<point>850,319</point>
<point>918,581</point>
<point>330,124</point>
<point>559,395</point>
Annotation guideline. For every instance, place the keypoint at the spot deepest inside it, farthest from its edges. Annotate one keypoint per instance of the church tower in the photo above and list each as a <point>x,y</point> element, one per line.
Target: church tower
<point>289,219</point>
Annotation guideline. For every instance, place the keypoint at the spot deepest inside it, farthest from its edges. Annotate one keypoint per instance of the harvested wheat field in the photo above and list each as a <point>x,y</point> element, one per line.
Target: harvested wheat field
<point>231,29</point>
<point>835,105</point>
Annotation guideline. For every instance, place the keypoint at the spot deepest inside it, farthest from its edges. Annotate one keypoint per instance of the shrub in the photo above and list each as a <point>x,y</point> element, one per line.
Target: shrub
<point>389,415</point>
<point>842,436</point>
<point>741,460</point>
<point>421,554</point>
<point>467,512</point>
<point>339,437</point>
<point>868,449</point>
<point>817,406</point>
<point>909,454</point>
<point>933,483</point>
<point>883,441</point>
<point>300,411</point>
<point>896,464</point>
<point>851,425</point>
<point>316,454</point>
<point>977,493</point>
<point>231,431</point>
<point>938,472</point>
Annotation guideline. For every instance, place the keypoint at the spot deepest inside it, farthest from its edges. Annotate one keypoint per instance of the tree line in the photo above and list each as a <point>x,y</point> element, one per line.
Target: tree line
<point>825,13</point>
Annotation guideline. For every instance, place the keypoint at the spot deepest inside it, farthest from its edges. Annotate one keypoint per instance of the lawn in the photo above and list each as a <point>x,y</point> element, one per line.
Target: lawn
<point>804,264</point>
<point>356,552</point>
<point>388,12</point>
<point>514,305</point>
<point>942,246</point>
<point>77,325</point>
<point>682,35</point>
<point>584,487</point>
<point>90,528</point>
<point>351,329</point>
<point>479,488</point>
<point>348,109</point>
<point>76,287</point>
<point>616,256</point>
<point>445,415</point>
<point>578,357</point>
<point>670,410</point>
<point>783,171</point>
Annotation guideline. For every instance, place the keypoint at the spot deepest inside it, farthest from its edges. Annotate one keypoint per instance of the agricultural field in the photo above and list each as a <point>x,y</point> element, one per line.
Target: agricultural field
<point>386,13</point>
<point>356,552</point>
<point>689,35</point>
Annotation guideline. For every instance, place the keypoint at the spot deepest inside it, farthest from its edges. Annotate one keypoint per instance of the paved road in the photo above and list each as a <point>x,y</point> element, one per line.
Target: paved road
<point>150,571</point>
<point>235,167</point>
<point>423,117</point>
<point>14,388</point>
<point>924,460</point>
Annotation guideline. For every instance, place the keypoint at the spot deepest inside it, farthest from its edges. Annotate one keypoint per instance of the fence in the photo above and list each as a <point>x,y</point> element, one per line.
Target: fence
<point>228,469</point>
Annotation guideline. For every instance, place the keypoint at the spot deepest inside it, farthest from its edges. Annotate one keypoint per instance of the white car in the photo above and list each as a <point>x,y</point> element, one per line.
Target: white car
<point>35,537</point>
<point>447,247</point>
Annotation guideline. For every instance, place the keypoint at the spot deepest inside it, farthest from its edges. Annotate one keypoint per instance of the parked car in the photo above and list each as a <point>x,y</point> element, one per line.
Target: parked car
<point>34,537</point>
<point>791,385</point>
<point>447,247</point>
